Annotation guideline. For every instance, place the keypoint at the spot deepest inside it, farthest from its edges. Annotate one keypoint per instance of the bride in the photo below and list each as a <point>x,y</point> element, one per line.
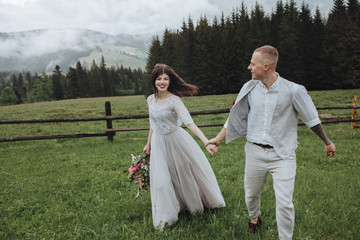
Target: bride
<point>180,174</point>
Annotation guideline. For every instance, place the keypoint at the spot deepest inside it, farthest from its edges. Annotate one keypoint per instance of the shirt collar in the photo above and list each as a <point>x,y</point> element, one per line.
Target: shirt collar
<point>275,85</point>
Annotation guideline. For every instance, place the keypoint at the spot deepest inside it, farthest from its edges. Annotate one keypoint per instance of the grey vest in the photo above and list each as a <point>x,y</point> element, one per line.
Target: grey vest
<point>283,123</point>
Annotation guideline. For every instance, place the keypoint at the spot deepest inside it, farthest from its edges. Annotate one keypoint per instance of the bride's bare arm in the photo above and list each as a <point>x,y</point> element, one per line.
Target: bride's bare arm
<point>148,144</point>
<point>193,128</point>
<point>211,148</point>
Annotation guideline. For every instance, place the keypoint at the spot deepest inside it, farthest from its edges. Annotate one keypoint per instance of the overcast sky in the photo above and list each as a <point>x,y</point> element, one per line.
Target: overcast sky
<point>124,16</point>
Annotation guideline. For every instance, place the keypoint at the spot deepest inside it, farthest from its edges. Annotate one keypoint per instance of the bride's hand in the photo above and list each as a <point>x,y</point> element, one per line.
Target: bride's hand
<point>212,149</point>
<point>147,149</point>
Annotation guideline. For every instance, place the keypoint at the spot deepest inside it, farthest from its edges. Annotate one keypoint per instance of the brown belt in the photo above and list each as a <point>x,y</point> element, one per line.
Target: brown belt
<point>263,145</point>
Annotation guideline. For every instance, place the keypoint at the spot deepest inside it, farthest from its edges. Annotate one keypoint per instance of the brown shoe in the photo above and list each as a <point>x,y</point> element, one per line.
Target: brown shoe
<point>254,227</point>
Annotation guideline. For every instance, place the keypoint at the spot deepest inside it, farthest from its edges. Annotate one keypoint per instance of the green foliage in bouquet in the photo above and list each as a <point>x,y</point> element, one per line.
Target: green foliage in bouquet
<point>139,171</point>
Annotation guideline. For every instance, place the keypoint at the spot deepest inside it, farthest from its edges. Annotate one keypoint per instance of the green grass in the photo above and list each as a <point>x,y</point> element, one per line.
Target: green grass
<point>75,188</point>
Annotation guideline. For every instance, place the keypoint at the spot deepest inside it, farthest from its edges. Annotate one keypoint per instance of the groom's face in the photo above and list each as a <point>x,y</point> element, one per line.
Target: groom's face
<point>256,67</point>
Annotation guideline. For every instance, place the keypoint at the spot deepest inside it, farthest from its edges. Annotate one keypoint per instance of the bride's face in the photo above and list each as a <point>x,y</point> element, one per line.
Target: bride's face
<point>162,82</point>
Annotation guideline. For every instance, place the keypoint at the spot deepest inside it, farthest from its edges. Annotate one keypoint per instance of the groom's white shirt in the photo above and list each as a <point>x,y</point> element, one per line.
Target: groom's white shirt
<point>290,100</point>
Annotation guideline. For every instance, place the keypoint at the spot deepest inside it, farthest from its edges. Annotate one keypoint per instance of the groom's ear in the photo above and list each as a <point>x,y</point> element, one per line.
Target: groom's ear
<point>267,66</point>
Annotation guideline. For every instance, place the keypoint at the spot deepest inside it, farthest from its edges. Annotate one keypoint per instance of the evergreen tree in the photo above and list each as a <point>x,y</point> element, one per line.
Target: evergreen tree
<point>215,62</point>
<point>258,28</point>
<point>227,57</point>
<point>115,78</point>
<point>107,83</point>
<point>239,54</point>
<point>201,56</point>
<point>290,61</point>
<point>353,46</point>
<point>168,48</point>
<point>127,82</point>
<point>336,47</point>
<point>29,81</point>
<point>17,87</point>
<point>8,97</point>
<point>6,82</point>
<point>186,60</point>
<point>244,50</point>
<point>57,79</point>
<point>32,81</point>
<point>73,88</point>
<point>155,54</point>
<point>139,81</point>
<point>275,22</point>
<point>319,72</point>
<point>95,81</point>
<point>14,84</point>
<point>181,57</point>
<point>42,89</point>
<point>82,78</point>
<point>154,57</point>
<point>3,81</point>
<point>353,9</point>
<point>2,86</point>
<point>22,88</point>
<point>308,48</point>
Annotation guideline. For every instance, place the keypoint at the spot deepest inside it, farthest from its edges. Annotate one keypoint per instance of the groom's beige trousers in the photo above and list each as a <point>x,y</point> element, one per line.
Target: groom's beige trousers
<point>259,162</point>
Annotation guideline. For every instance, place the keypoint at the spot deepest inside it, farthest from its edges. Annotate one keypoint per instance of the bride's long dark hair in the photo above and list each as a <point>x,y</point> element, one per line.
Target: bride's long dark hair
<point>177,85</point>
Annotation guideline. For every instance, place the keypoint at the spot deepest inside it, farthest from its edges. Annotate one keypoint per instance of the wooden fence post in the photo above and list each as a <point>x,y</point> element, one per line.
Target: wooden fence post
<point>110,135</point>
<point>353,124</point>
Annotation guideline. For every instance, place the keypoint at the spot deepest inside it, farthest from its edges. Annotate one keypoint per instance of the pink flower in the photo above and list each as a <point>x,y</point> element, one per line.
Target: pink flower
<point>131,169</point>
<point>139,171</point>
<point>133,158</point>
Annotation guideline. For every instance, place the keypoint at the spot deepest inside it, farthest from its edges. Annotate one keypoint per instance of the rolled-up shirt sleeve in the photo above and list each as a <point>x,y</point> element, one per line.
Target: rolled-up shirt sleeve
<point>226,123</point>
<point>305,107</point>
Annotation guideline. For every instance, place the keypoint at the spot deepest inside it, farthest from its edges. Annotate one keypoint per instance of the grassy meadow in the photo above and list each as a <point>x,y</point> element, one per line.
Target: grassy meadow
<point>76,188</point>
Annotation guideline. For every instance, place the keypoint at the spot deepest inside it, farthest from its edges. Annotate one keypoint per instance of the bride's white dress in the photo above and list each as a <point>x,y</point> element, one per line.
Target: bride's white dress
<point>180,174</point>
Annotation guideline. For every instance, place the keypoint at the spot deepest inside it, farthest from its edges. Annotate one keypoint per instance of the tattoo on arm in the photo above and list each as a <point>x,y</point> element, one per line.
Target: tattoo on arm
<point>319,130</point>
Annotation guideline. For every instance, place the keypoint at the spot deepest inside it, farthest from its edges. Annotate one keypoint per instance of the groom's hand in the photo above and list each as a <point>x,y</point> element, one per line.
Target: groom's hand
<point>213,141</point>
<point>330,149</point>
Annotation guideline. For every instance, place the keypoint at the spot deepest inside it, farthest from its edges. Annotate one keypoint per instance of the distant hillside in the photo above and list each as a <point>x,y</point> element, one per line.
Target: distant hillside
<point>42,50</point>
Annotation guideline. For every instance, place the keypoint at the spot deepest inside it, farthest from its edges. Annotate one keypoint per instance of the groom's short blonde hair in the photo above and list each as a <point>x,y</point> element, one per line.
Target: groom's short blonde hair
<point>269,54</point>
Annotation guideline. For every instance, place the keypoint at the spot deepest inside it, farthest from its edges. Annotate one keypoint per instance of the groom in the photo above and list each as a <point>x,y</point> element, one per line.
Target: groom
<point>266,112</point>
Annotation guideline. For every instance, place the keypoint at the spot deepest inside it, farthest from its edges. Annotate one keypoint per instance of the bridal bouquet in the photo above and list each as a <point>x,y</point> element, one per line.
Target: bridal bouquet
<point>139,171</point>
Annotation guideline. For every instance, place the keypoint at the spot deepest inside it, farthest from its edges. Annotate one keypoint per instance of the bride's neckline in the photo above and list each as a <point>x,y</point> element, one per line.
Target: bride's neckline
<point>161,99</point>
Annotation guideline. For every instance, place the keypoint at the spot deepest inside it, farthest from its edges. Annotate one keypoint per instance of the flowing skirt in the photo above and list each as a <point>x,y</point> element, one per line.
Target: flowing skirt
<point>180,177</point>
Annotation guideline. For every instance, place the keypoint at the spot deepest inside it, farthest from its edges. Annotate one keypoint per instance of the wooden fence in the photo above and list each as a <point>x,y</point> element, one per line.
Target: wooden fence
<point>110,131</point>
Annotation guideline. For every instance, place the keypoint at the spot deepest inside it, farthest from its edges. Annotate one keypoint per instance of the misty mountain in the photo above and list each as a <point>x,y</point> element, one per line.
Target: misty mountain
<point>42,50</point>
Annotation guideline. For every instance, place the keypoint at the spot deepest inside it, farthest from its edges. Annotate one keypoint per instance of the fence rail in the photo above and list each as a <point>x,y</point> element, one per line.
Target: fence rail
<point>110,131</point>
<point>88,119</point>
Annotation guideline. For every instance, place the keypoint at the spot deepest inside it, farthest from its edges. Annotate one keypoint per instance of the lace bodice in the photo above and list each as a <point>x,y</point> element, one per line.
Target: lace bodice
<point>167,114</point>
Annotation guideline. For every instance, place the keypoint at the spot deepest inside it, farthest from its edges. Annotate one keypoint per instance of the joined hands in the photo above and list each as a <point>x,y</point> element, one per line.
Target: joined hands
<point>212,146</point>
